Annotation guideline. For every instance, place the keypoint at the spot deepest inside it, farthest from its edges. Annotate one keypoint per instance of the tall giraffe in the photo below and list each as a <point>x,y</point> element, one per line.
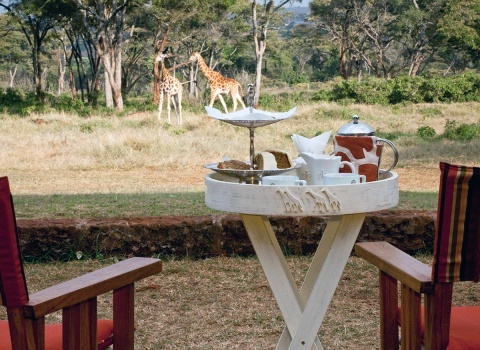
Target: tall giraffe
<point>170,87</point>
<point>218,83</point>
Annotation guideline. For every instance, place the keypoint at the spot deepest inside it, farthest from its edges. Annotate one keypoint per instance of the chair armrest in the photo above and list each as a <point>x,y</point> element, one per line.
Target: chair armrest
<point>397,264</point>
<point>90,285</point>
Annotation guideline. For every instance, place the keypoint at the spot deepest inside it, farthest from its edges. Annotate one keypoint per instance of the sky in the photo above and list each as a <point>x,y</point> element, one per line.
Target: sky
<point>303,4</point>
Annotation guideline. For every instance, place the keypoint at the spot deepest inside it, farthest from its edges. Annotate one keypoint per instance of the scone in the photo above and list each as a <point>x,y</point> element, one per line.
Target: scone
<point>265,161</point>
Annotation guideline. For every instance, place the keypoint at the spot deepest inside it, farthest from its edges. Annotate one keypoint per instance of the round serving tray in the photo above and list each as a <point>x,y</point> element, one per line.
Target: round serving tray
<point>250,176</point>
<point>225,193</point>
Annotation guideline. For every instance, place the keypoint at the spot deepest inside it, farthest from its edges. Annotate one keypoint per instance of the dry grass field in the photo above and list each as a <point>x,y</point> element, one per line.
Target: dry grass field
<point>221,303</point>
<point>65,154</point>
<point>226,303</point>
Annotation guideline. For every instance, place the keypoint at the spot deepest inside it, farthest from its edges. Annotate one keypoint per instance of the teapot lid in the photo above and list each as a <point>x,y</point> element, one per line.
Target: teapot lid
<point>356,128</point>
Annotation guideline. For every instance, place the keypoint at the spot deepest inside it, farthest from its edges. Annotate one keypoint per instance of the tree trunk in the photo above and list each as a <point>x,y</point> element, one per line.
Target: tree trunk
<point>108,91</point>
<point>73,89</point>
<point>61,73</point>
<point>156,83</point>
<point>37,71</point>
<point>105,53</point>
<point>193,82</point>
<point>415,65</point>
<point>12,76</point>
<point>260,42</point>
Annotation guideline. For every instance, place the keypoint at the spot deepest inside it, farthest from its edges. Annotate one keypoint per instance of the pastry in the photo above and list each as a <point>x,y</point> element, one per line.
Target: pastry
<point>233,164</point>
<point>282,157</point>
<point>265,161</point>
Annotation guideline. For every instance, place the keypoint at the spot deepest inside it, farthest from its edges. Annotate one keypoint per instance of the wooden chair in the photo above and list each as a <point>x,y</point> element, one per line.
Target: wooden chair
<point>436,325</point>
<point>77,298</point>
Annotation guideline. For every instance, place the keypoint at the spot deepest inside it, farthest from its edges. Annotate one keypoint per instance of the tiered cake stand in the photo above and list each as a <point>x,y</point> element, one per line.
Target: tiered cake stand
<point>250,118</point>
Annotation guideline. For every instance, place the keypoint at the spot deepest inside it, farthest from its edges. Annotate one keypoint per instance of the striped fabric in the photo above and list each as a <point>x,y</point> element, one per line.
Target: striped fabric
<point>457,238</point>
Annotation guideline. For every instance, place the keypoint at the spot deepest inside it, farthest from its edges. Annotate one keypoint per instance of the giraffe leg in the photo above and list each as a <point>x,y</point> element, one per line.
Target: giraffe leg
<point>179,103</point>
<point>239,97</point>
<point>212,98</point>
<point>175,107</point>
<point>168,107</point>
<point>223,103</point>
<point>160,106</point>
<point>234,100</point>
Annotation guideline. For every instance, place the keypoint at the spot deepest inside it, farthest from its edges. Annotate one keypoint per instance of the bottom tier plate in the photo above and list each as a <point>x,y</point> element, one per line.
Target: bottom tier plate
<point>250,176</point>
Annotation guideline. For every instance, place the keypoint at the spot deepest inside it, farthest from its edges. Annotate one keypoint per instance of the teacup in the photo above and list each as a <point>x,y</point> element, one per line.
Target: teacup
<point>321,164</point>
<point>343,179</point>
<point>283,180</point>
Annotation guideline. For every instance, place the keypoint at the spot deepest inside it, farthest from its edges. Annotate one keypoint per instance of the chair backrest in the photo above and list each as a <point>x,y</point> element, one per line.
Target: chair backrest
<point>13,288</point>
<point>457,238</point>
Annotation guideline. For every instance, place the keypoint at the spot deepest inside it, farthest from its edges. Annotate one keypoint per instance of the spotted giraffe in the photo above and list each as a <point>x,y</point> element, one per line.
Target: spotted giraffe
<point>218,83</point>
<point>169,88</point>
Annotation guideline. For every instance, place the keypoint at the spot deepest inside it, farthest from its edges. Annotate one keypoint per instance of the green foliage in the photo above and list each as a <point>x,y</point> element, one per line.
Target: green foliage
<point>426,132</point>
<point>16,101</point>
<point>66,103</point>
<point>405,89</point>
<point>463,132</point>
<point>458,88</point>
<point>279,101</point>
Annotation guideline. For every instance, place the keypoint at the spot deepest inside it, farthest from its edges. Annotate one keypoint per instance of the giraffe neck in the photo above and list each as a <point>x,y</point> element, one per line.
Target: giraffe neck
<point>206,70</point>
<point>163,72</point>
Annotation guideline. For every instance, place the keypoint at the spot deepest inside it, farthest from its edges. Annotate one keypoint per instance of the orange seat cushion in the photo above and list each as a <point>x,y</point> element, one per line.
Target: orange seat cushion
<point>53,335</point>
<point>464,327</point>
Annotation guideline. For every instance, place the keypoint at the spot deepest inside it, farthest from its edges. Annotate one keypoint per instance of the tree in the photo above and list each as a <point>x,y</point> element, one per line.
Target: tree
<point>12,48</point>
<point>386,36</point>
<point>35,19</point>
<point>460,30</point>
<point>336,20</point>
<point>198,25</point>
<point>104,23</point>
<point>262,17</point>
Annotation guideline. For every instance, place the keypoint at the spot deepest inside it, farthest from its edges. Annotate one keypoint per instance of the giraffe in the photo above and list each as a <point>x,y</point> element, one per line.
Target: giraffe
<point>218,84</point>
<point>169,87</point>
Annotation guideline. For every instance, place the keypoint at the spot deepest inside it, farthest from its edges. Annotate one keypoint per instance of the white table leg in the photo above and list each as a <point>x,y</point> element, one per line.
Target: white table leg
<point>276,271</point>
<point>327,280</point>
<point>327,266</point>
<point>313,271</point>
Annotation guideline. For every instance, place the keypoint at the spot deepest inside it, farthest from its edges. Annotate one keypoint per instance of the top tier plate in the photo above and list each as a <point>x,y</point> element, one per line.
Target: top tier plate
<point>249,117</point>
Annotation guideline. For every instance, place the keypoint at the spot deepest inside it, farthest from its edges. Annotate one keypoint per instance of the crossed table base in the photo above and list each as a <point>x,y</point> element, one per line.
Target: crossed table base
<point>303,310</point>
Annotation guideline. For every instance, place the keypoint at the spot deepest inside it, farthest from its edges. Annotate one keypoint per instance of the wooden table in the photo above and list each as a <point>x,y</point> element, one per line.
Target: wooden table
<point>303,310</point>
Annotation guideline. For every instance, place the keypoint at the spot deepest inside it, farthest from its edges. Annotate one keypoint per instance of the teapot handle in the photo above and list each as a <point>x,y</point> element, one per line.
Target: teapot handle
<point>395,153</point>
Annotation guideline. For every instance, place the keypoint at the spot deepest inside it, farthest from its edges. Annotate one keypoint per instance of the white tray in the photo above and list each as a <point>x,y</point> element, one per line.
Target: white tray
<point>227,194</point>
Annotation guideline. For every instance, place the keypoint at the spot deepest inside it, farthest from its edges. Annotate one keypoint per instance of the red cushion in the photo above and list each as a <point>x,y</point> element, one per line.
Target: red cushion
<point>464,328</point>
<point>53,335</point>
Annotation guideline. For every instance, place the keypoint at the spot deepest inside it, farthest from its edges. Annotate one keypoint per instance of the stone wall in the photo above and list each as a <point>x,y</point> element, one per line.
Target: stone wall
<point>206,236</point>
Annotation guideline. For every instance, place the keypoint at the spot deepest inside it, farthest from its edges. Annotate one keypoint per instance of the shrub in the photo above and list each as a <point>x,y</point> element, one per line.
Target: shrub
<point>406,89</point>
<point>426,132</point>
<point>462,132</point>
<point>66,103</point>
